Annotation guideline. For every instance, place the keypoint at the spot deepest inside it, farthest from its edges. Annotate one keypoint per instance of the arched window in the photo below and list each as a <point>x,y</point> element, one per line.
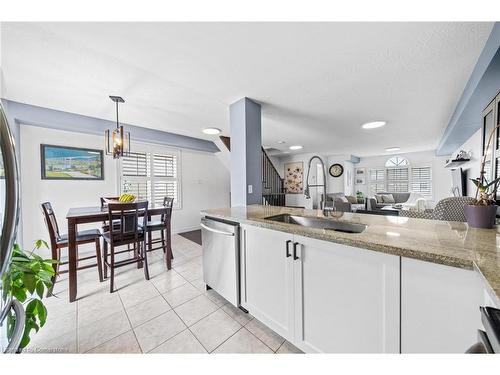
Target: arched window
<point>397,161</point>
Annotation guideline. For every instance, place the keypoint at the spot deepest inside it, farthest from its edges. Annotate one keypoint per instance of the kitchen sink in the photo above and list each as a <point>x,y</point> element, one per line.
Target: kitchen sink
<point>317,222</point>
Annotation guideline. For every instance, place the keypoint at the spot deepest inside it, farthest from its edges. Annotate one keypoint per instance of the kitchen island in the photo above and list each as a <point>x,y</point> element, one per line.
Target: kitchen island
<point>401,285</point>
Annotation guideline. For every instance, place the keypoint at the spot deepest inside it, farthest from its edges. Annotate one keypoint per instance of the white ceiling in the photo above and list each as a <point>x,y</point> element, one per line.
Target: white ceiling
<point>317,82</point>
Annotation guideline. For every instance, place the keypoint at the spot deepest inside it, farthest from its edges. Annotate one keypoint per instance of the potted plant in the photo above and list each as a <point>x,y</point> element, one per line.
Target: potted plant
<point>482,214</point>
<point>27,280</point>
<point>360,196</point>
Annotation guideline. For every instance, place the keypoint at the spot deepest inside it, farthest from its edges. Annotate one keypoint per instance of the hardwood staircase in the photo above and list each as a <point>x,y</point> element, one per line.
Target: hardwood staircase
<point>273,186</point>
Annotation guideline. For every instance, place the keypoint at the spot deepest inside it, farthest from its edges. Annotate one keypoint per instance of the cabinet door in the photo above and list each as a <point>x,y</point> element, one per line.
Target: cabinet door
<point>439,307</point>
<point>268,274</point>
<point>347,299</point>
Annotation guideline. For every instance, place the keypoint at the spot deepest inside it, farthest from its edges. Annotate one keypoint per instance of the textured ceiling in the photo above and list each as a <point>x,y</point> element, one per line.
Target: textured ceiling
<point>317,82</point>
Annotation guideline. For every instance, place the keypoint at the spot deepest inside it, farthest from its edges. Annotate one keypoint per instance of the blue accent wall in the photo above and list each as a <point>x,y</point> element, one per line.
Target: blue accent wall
<point>482,87</point>
<point>20,113</point>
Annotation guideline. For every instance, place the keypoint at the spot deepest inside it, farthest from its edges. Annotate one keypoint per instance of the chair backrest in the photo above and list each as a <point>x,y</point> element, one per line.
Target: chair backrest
<point>452,208</point>
<point>168,203</point>
<point>129,215</point>
<point>104,203</point>
<point>51,222</point>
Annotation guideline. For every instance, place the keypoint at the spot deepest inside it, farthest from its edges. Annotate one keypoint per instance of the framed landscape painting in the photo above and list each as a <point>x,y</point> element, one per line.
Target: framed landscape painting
<point>71,163</point>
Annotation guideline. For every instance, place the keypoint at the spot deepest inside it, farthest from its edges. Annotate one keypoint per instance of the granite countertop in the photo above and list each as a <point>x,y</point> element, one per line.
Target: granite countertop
<point>444,242</point>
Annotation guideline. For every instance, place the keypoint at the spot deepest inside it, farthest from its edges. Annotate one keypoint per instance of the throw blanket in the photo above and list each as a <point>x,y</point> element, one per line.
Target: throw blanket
<point>415,202</point>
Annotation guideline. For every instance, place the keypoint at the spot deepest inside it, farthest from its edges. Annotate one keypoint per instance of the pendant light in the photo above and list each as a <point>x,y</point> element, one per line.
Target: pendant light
<point>117,141</point>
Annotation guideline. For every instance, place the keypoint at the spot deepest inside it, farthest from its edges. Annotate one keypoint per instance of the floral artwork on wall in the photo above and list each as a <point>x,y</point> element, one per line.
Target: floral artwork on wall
<point>294,176</point>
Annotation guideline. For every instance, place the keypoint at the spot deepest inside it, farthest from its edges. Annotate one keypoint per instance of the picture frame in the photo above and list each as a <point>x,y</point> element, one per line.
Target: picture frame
<point>71,163</point>
<point>294,178</point>
<point>360,176</point>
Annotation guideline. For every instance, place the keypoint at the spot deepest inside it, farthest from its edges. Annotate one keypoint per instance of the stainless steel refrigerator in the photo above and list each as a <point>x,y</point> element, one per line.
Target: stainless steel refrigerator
<point>9,206</point>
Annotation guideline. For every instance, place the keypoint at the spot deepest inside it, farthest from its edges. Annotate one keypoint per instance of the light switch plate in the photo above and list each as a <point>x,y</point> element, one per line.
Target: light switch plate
<point>250,189</point>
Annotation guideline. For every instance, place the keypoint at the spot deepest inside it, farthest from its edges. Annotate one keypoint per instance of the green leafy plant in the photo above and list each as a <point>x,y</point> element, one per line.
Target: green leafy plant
<point>28,279</point>
<point>359,194</point>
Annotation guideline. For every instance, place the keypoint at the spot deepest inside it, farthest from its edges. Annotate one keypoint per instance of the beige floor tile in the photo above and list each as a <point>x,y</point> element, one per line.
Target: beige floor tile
<point>178,296</point>
<point>215,297</point>
<point>125,343</point>
<point>62,344</point>
<point>58,306</point>
<point>240,316</point>
<point>168,281</point>
<point>56,326</point>
<point>288,348</point>
<point>158,330</point>
<point>196,309</point>
<point>184,342</point>
<point>100,331</point>
<point>243,342</point>
<point>192,273</point>
<point>147,310</point>
<point>265,334</point>
<point>105,305</point>
<point>215,329</point>
<point>138,292</point>
<point>190,264</point>
<point>199,284</point>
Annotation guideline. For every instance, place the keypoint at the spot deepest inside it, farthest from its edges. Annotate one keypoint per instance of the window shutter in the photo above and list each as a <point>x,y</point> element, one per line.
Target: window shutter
<point>165,189</point>
<point>397,180</point>
<point>421,180</point>
<point>377,174</point>
<point>141,189</point>
<point>164,165</point>
<point>135,165</point>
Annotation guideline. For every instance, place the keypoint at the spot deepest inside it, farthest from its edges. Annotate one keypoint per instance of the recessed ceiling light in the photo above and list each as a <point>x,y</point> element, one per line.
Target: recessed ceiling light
<point>281,142</point>
<point>212,131</point>
<point>373,125</point>
<point>296,147</point>
<point>392,149</point>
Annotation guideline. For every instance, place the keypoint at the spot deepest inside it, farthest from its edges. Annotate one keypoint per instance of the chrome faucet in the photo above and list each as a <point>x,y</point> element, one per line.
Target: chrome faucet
<point>307,191</point>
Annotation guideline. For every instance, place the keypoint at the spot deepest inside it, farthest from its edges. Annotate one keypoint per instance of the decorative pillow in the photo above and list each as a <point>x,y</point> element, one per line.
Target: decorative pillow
<point>379,198</point>
<point>351,199</point>
<point>388,198</point>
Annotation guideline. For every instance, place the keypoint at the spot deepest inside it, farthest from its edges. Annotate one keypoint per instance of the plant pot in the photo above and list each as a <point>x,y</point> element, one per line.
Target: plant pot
<point>480,216</point>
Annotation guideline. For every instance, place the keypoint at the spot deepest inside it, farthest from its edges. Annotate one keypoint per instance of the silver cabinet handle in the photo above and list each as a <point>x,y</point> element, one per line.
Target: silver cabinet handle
<point>216,230</point>
<point>18,332</point>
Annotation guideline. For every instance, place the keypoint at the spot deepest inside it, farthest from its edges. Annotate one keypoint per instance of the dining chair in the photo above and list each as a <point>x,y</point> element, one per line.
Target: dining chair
<point>104,204</point>
<point>59,241</point>
<point>164,226</point>
<point>129,231</point>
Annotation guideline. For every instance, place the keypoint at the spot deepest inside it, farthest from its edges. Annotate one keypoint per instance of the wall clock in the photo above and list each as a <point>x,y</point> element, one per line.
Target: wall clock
<point>336,170</point>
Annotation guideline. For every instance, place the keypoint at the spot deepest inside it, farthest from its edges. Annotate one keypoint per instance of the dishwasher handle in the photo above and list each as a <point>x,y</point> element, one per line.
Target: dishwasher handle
<point>216,230</point>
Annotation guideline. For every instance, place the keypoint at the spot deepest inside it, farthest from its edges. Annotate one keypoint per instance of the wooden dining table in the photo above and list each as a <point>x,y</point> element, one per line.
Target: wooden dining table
<point>85,215</point>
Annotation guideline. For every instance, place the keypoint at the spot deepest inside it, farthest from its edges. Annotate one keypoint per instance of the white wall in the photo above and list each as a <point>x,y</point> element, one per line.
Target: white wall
<point>441,176</point>
<point>205,183</point>
<point>472,145</point>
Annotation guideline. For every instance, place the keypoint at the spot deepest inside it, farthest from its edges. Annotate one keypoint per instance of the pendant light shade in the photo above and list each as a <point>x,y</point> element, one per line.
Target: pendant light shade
<point>117,141</point>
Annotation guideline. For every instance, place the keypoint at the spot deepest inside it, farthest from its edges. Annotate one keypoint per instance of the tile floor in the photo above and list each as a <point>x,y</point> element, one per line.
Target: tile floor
<point>170,313</point>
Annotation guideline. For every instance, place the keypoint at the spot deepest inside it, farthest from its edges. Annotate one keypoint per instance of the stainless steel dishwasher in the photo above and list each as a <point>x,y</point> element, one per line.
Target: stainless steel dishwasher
<point>220,242</point>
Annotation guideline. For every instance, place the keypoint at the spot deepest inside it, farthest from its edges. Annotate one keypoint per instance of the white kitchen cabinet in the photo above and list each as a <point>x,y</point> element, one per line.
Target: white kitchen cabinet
<point>268,278</point>
<point>346,299</point>
<point>439,307</point>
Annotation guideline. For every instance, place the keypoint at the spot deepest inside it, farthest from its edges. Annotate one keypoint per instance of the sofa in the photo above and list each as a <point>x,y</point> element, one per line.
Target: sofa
<point>373,204</point>
<point>448,209</point>
<point>343,203</point>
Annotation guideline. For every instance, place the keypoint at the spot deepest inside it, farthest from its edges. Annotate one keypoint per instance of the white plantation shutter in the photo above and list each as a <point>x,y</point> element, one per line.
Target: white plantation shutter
<point>397,180</point>
<point>136,164</point>
<point>377,180</point>
<point>421,181</point>
<point>152,175</point>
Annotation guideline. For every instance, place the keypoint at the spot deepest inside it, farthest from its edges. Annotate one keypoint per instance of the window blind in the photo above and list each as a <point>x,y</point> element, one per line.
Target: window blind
<point>152,176</point>
<point>421,180</point>
<point>135,164</point>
